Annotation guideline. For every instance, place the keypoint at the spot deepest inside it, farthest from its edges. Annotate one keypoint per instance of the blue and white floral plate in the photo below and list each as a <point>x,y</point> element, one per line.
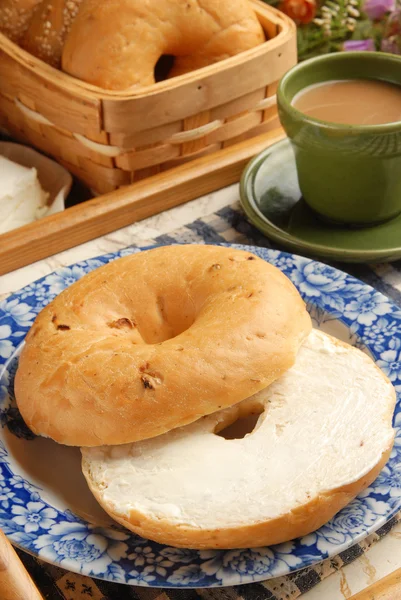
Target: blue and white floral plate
<point>47,509</point>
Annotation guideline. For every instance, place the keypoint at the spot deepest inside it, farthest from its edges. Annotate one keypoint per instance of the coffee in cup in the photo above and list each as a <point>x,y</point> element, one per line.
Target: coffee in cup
<point>351,102</point>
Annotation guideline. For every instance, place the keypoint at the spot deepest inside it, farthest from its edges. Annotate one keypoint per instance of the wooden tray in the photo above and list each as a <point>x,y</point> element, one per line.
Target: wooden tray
<point>129,204</point>
<point>388,588</point>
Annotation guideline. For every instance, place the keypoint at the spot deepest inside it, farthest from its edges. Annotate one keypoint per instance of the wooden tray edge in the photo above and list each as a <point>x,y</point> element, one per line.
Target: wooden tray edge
<point>103,214</point>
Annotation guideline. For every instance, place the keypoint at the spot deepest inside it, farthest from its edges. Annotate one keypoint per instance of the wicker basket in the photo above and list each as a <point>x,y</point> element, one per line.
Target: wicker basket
<point>109,139</point>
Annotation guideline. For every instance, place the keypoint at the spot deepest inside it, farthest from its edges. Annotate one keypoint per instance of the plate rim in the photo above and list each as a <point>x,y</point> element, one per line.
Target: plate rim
<point>271,255</point>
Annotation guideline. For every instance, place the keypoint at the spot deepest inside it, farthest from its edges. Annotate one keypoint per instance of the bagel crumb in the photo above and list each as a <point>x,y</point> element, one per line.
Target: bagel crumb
<point>215,267</point>
<point>63,327</point>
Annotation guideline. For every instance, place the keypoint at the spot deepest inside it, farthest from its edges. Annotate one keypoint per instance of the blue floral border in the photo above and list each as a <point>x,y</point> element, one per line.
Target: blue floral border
<point>62,538</point>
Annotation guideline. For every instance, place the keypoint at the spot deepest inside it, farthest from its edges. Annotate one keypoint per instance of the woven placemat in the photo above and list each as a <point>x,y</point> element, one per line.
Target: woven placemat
<point>226,225</point>
<point>57,584</point>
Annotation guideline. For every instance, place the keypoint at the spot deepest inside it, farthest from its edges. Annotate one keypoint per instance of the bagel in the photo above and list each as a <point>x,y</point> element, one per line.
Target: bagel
<point>325,434</point>
<point>48,28</point>
<point>154,341</point>
<point>117,44</point>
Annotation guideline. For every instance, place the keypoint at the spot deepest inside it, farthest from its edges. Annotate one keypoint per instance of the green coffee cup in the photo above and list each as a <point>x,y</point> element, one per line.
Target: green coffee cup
<point>347,173</point>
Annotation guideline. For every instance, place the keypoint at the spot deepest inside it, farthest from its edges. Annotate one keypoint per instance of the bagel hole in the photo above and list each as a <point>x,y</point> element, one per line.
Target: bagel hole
<point>244,424</point>
<point>163,67</point>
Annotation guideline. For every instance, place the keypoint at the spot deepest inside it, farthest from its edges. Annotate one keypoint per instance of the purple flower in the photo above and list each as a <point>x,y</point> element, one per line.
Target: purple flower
<point>376,9</point>
<point>359,45</point>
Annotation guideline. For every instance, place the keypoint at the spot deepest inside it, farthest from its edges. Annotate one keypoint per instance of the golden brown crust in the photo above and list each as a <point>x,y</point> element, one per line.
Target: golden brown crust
<point>303,520</point>
<point>116,44</point>
<point>155,340</point>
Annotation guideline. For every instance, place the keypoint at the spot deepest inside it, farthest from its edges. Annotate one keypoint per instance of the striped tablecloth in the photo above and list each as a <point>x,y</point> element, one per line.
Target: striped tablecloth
<point>226,225</point>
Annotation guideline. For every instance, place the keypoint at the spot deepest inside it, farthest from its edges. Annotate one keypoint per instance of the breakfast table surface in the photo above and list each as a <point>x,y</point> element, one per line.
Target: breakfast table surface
<point>382,557</point>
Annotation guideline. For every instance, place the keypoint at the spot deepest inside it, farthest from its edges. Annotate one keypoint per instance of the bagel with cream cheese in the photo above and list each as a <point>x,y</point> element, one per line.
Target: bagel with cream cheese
<point>156,340</point>
<point>324,434</point>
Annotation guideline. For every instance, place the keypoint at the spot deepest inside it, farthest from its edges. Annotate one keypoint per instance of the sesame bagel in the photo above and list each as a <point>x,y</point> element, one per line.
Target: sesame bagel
<point>48,29</point>
<point>15,16</point>
<point>155,340</point>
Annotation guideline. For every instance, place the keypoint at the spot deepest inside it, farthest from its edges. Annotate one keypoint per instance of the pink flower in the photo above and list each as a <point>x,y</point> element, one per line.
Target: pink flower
<point>376,9</point>
<point>359,45</point>
<point>391,41</point>
<point>390,45</point>
<point>393,25</point>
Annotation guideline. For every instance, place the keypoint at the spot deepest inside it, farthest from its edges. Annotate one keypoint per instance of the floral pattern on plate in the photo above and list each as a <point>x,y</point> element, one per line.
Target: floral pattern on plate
<point>339,304</point>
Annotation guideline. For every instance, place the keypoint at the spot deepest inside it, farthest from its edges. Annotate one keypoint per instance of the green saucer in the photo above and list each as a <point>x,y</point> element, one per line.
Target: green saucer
<point>271,198</point>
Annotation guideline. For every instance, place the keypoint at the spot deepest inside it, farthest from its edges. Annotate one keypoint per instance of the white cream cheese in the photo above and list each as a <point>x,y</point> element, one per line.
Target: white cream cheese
<point>21,196</point>
<point>325,424</point>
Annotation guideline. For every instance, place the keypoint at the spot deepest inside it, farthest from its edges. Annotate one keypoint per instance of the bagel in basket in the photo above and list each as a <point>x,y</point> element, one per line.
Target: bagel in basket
<point>116,44</point>
<point>15,16</point>
<point>324,434</point>
<point>154,341</point>
<point>48,29</point>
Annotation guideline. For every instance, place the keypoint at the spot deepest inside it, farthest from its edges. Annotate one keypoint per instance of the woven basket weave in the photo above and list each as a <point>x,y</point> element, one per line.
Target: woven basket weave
<point>110,139</point>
